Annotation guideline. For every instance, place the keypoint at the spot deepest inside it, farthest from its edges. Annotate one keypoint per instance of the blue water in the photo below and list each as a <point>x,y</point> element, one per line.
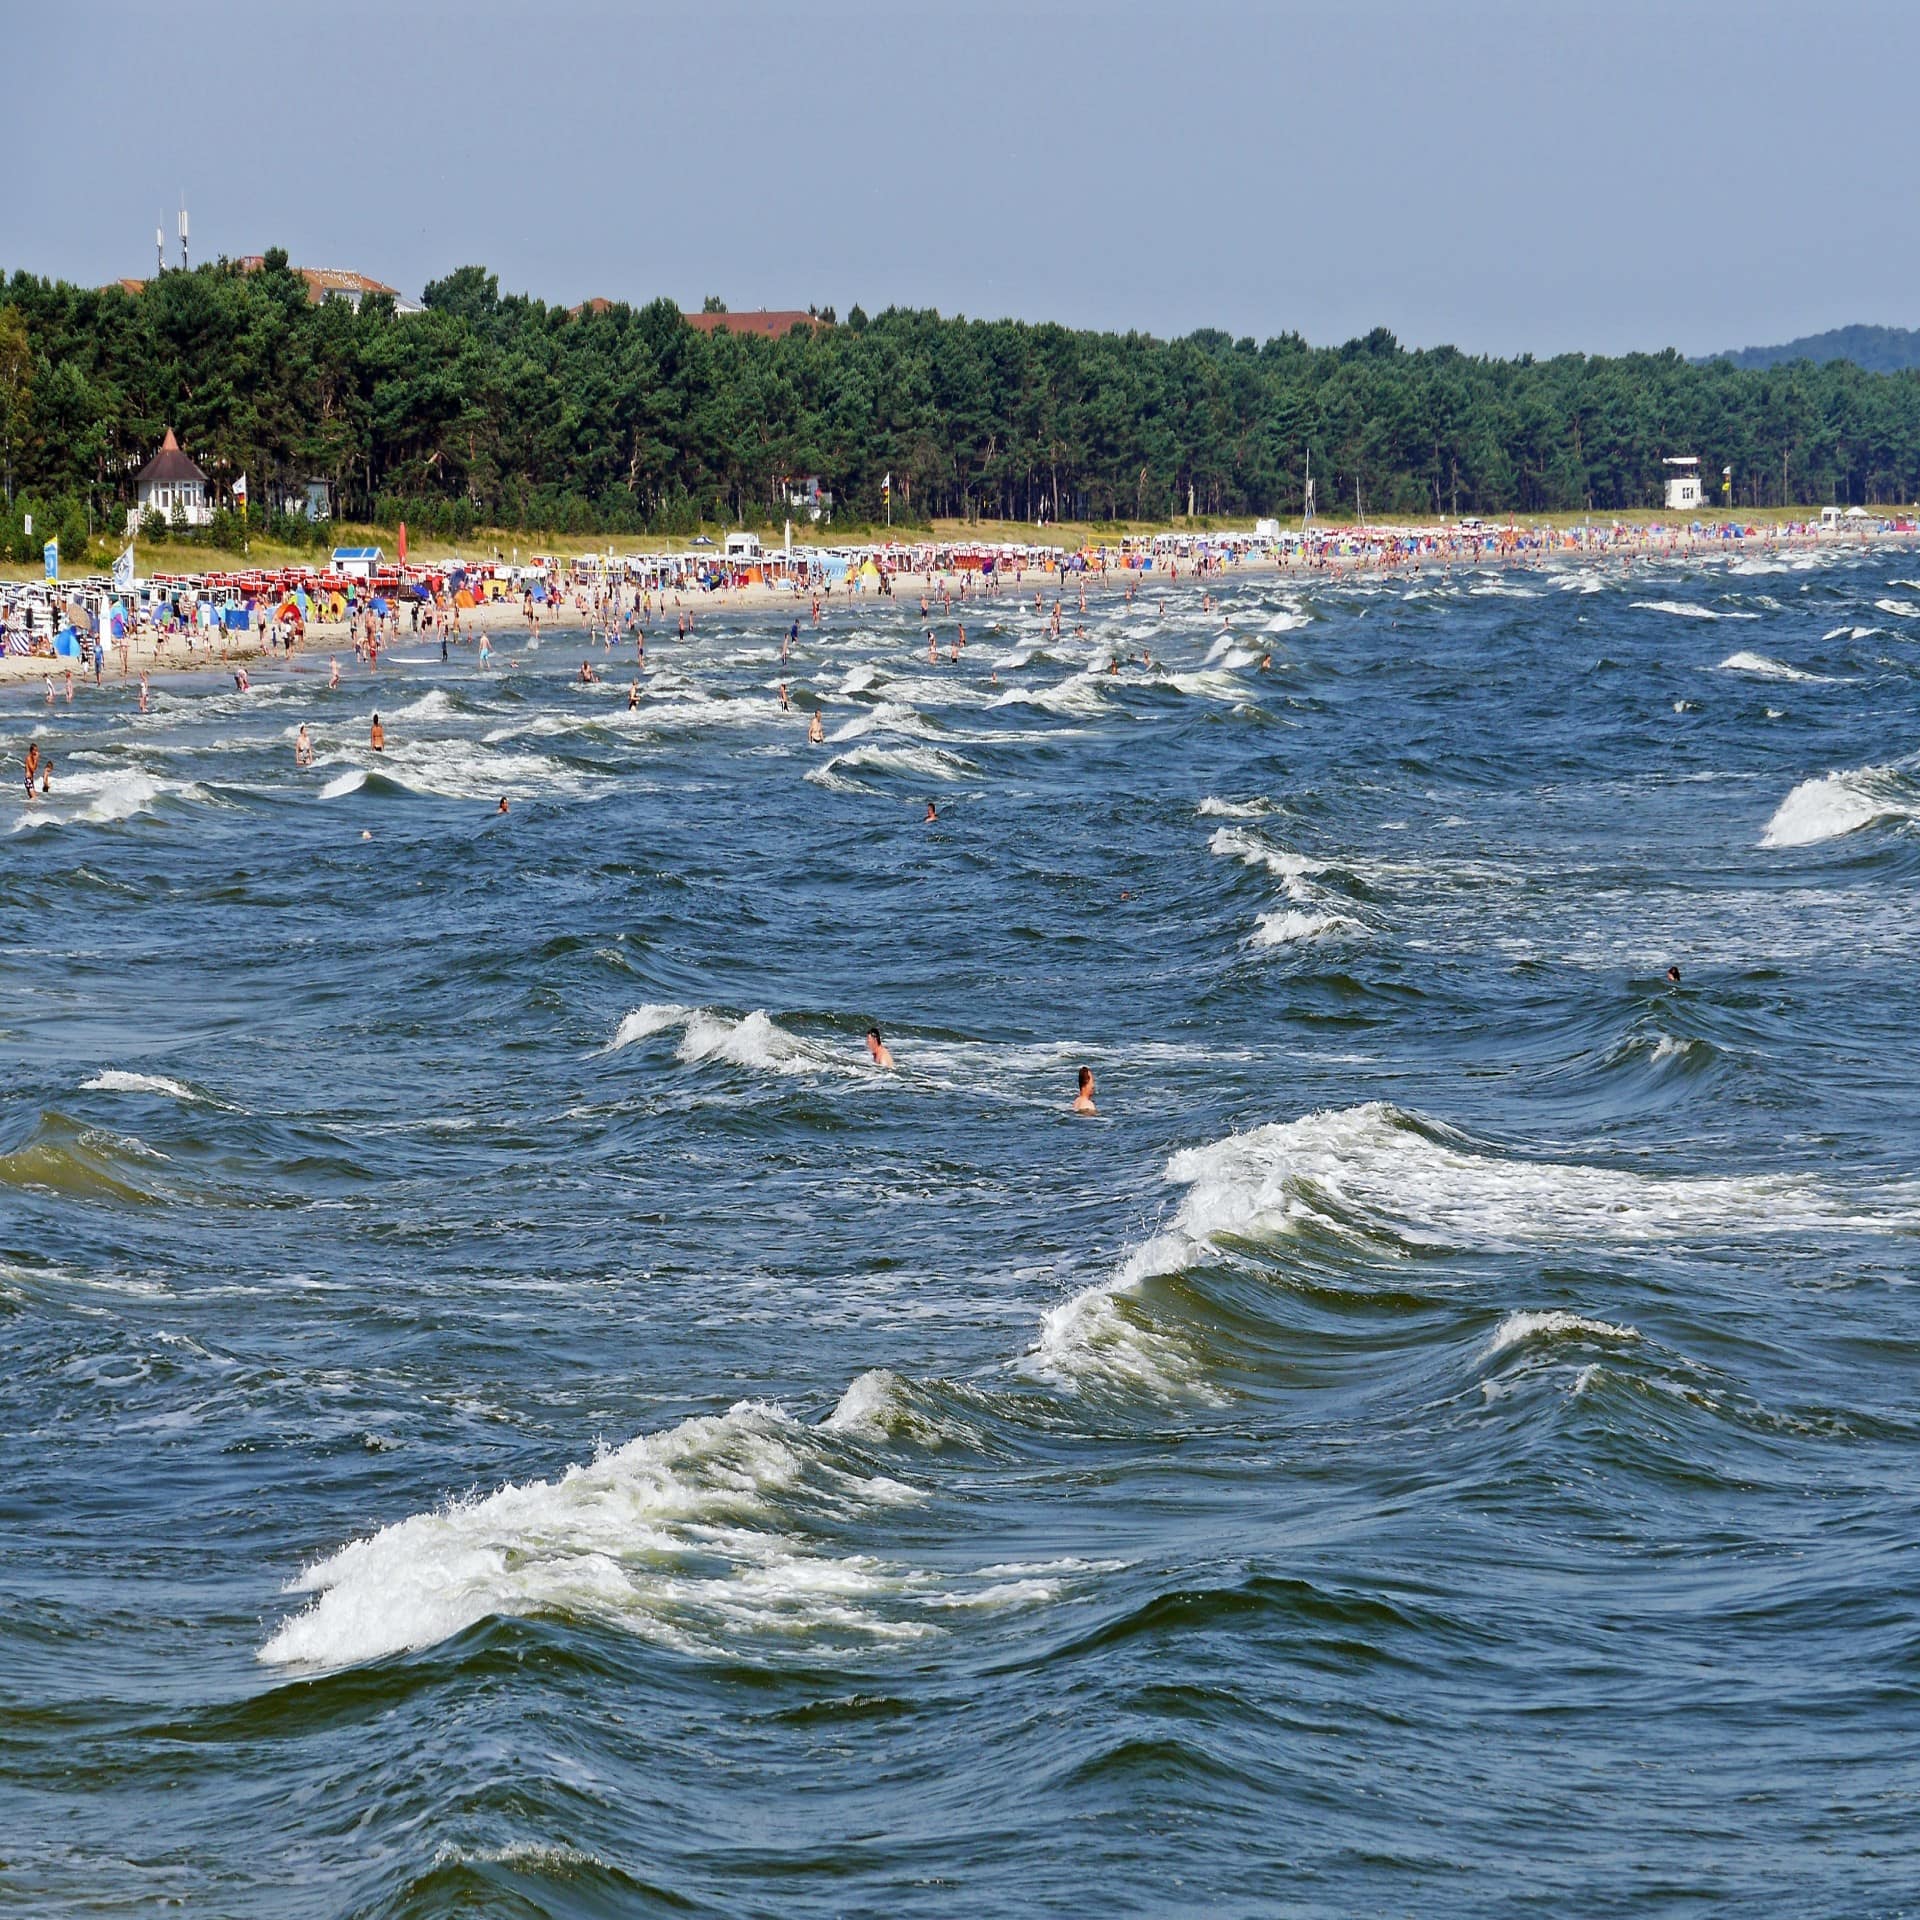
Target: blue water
<point>508,1412</point>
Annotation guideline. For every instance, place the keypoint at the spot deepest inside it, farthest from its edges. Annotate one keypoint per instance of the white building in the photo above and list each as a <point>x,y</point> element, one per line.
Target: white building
<point>171,484</point>
<point>1683,482</point>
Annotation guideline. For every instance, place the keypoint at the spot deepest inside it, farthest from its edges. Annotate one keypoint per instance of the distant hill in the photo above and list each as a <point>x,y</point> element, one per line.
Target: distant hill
<point>1875,349</point>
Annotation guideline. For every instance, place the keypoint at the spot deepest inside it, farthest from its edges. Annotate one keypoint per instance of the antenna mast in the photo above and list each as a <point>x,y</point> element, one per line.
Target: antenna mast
<point>183,232</point>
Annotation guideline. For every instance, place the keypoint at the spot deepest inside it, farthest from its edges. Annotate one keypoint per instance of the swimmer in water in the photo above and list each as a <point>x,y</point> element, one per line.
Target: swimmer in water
<point>502,807</point>
<point>633,696</point>
<point>303,747</point>
<point>933,813</point>
<point>33,767</point>
<point>1673,976</point>
<point>377,738</point>
<point>877,1049</point>
<point>333,678</point>
<point>816,730</point>
<point>1083,1100</point>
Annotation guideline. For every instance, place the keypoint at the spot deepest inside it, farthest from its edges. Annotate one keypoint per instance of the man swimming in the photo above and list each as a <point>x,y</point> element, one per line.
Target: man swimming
<point>933,814</point>
<point>1083,1100</point>
<point>877,1049</point>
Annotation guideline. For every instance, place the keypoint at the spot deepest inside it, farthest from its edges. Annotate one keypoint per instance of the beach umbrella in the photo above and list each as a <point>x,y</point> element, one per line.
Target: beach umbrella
<point>379,603</point>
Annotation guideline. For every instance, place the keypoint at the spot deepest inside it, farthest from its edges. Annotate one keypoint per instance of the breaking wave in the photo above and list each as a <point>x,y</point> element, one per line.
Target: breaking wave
<point>1841,803</point>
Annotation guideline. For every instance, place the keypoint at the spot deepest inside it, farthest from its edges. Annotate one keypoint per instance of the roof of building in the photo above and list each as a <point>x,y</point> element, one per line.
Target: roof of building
<point>322,281</point>
<point>125,286</point>
<point>598,304</point>
<point>171,464</point>
<point>776,325</point>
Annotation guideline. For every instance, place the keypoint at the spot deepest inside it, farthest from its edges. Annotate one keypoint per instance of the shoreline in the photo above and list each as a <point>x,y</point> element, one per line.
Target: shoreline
<point>168,656</point>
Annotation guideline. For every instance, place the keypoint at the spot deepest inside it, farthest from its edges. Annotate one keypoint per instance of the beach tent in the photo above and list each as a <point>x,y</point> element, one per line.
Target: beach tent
<point>463,598</point>
<point>66,643</point>
<point>237,619</point>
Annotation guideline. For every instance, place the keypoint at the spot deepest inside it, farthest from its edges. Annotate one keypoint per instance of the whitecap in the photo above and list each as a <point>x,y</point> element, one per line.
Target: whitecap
<point>1841,803</point>
<point>1518,1328</point>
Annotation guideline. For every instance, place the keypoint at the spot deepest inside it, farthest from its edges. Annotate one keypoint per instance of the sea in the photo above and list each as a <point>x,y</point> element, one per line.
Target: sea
<point>509,1411</point>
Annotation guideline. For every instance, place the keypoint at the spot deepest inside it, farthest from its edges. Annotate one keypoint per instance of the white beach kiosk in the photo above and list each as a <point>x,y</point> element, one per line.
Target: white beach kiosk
<point>1683,482</point>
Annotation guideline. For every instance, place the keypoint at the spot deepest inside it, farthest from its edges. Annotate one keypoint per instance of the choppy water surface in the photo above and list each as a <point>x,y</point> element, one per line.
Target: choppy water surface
<point>508,1411</point>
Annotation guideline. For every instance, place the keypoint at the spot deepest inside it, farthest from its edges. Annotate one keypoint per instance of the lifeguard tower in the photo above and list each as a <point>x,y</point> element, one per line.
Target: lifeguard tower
<point>1683,482</point>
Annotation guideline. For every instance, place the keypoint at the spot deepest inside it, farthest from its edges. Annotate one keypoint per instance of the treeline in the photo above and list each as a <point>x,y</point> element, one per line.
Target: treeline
<point>497,410</point>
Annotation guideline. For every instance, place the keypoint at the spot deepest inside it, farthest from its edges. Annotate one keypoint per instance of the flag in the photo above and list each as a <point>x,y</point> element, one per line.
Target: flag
<point>403,543</point>
<point>240,489</point>
<point>123,572</point>
<point>886,486</point>
<point>51,554</point>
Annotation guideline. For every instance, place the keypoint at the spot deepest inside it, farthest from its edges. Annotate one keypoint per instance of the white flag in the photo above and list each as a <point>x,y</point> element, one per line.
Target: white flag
<point>123,572</point>
<point>240,488</point>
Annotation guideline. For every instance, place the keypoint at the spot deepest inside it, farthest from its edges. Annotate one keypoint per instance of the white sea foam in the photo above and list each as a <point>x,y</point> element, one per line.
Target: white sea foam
<point>1211,808</point>
<point>114,1080</point>
<point>1105,1338</point>
<point>101,797</point>
<point>1764,668</point>
<point>695,1537</point>
<point>1236,843</point>
<point>1841,803</point>
<point>1373,1167</point>
<point>1288,620</point>
<point>1900,609</point>
<point>1687,610</point>
<point>1291,926</point>
<point>754,1041</point>
<point>643,1022</point>
<point>344,783</point>
<point>1518,1328</point>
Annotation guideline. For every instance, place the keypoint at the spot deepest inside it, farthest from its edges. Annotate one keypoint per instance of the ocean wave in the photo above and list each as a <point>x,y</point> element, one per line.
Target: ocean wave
<point>754,1041</point>
<point>1236,843</point>
<point>1764,668</point>
<point>1688,610</point>
<point>115,1080</point>
<point>1378,1170</point>
<point>1293,926</point>
<point>695,1536</point>
<point>1520,1328</point>
<point>1840,803</point>
<point>86,797</point>
<point>1216,809</point>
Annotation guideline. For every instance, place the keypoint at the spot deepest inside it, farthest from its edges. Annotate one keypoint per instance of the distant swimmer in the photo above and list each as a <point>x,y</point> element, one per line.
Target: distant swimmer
<point>303,747</point>
<point>1083,1100</point>
<point>784,708</point>
<point>1266,663</point>
<point>502,807</point>
<point>587,674</point>
<point>1673,976</point>
<point>880,1053</point>
<point>145,692</point>
<point>816,730</point>
<point>333,678</point>
<point>633,696</point>
<point>933,814</point>
<point>33,765</point>
<point>377,739</point>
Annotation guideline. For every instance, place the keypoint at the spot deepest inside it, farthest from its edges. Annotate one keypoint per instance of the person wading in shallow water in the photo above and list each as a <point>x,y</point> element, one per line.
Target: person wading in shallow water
<point>377,739</point>
<point>1083,1100</point>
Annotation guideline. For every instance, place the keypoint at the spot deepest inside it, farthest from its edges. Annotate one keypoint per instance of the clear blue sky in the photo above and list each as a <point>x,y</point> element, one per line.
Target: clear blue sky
<point>1507,177</point>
